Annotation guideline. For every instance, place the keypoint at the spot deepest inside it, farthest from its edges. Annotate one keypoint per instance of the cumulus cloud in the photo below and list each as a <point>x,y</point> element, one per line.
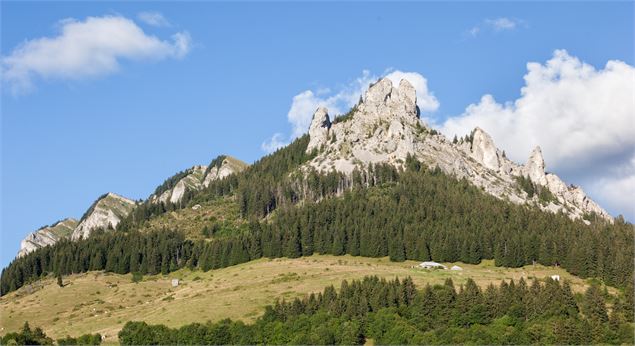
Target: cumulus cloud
<point>495,25</point>
<point>582,117</point>
<point>154,19</point>
<point>89,48</point>
<point>305,103</point>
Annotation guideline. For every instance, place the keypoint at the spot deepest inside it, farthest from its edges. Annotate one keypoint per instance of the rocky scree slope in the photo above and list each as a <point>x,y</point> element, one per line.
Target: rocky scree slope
<point>385,128</point>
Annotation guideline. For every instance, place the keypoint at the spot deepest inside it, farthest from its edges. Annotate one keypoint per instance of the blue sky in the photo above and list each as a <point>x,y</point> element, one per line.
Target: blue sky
<point>226,83</point>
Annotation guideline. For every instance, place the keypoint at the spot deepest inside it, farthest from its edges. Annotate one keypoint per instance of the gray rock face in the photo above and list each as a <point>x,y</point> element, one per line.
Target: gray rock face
<point>319,129</point>
<point>381,130</point>
<point>227,167</point>
<point>386,128</point>
<point>47,235</point>
<point>198,177</point>
<point>192,181</point>
<point>105,213</point>
<point>484,150</point>
<point>535,167</point>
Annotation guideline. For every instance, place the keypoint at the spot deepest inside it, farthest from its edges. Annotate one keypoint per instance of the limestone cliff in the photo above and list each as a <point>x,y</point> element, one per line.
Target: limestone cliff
<point>385,128</point>
<point>106,213</point>
<point>47,235</point>
<point>222,167</point>
<point>196,178</point>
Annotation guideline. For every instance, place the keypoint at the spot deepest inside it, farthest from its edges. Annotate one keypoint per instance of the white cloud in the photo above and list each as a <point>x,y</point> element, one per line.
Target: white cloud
<point>305,103</point>
<point>582,118</point>
<point>502,23</point>
<point>617,189</point>
<point>154,19</point>
<point>474,31</point>
<point>274,143</point>
<point>495,25</point>
<point>89,48</point>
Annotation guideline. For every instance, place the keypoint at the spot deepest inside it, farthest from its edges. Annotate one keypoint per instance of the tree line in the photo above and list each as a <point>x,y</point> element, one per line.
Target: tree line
<point>396,312</point>
<point>417,214</point>
<point>28,336</point>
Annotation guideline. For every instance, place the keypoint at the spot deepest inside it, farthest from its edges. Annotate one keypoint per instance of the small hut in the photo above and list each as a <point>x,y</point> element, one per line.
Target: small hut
<point>175,282</point>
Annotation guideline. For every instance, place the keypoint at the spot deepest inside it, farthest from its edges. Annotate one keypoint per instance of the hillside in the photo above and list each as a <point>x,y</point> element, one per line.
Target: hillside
<point>219,216</point>
<point>376,187</point>
<point>47,235</point>
<point>103,302</point>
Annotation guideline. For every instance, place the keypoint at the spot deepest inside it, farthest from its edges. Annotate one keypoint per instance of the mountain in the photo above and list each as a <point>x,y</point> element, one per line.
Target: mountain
<point>47,235</point>
<point>108,210</point>
<point>385,128</point>
<point>190,179</point>
<point>222,167</point>
<point>196,178</point>
<point>106,213</point>
<point>374,183</point>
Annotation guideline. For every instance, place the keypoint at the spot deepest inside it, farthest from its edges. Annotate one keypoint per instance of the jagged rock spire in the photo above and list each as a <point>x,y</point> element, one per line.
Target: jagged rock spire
<point>384,99</point>
<point>319,129</point>
<point>484,150</point>
<point>535,167</point>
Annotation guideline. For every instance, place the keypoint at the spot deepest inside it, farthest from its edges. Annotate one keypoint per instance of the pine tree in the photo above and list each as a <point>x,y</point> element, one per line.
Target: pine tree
<point>594,305</point>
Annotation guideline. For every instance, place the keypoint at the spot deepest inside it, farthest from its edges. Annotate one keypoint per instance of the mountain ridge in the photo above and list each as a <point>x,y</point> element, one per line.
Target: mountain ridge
<point>385,127</point>
<point>109,209</point>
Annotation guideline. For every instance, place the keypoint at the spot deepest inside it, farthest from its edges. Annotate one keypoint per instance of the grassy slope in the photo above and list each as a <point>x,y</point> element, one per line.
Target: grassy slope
<point>191,222</point>
<point>64,228</point>
<point>98,302</point>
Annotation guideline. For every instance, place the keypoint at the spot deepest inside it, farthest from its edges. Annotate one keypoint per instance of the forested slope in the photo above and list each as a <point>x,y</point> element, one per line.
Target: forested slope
<point>416,213</point>
<point>396,312</point>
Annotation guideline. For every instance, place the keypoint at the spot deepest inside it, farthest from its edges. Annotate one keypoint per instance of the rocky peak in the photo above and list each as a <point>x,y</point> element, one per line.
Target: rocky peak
<point>382,99</point>
<point>535,167</point>
<point>173,192</point>
<point>107,211</point>
<point>222,167</point>
<point>385,128</point>
<point>408,96</point>
<point>484,150</point>
<point>319,129</point>
<point>47,235</point>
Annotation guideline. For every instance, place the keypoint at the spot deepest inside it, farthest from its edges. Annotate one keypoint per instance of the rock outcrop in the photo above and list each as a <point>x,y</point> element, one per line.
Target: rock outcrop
<point>535,167</point>
<point>191,179</point>
<point>385,128</point>
<point>484,151</point>
<point>196,178</point>
<point>47,235</point>
<point>105,213</point>
<point>319,129</point>
<point>222,167</point>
